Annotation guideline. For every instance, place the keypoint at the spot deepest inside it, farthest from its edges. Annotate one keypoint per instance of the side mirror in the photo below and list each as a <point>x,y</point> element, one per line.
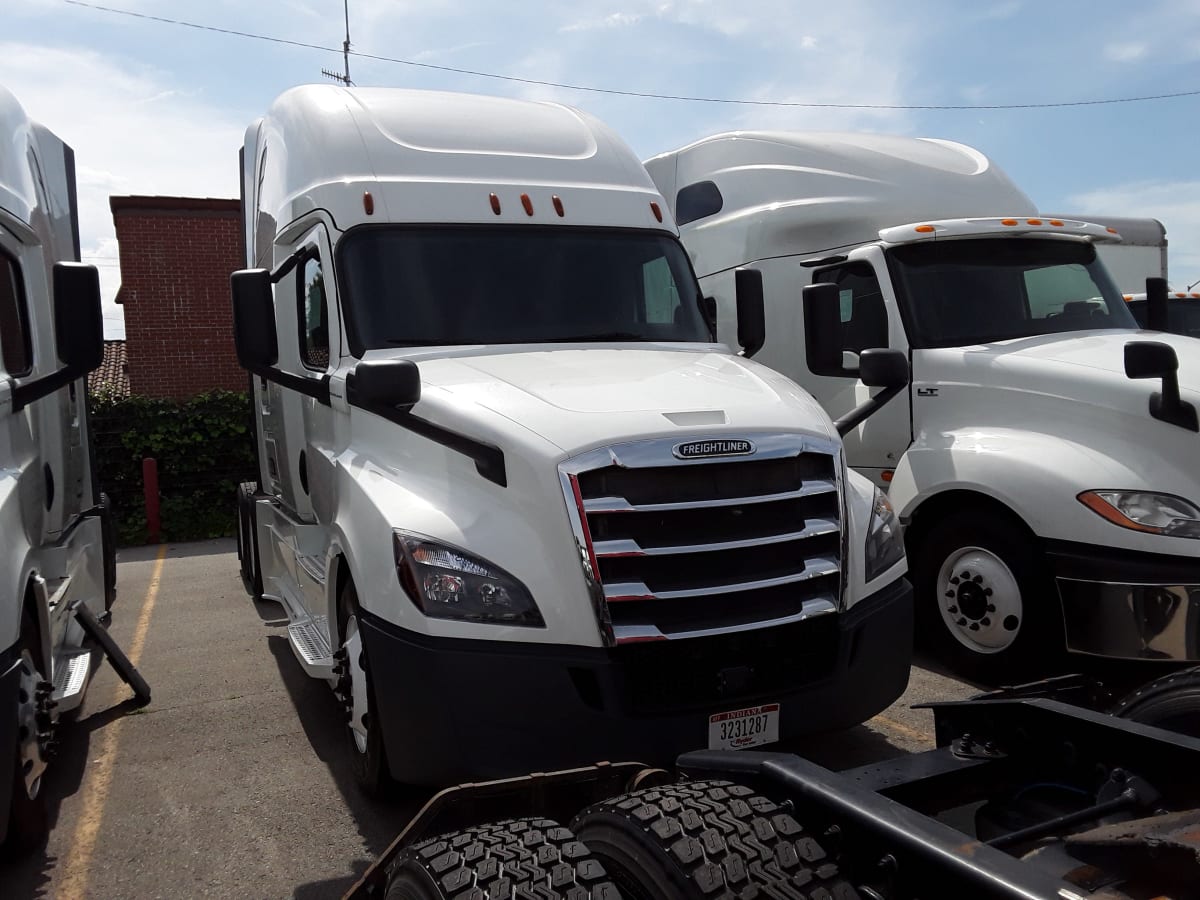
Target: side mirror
<point>79,322</point>
<point>751,313</point>
<point>394,383</point>
<point>1154,359</point>
<point>254,333</point>
<point>823,330</point>
<point>1156,306</point>
<point>883,368</point>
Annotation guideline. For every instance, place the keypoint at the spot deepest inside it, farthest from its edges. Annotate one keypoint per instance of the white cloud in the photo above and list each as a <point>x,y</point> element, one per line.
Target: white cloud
<point>1174,203</point>
<point>133,132</point>
<point>1128,51</point>
<point>613,20</point>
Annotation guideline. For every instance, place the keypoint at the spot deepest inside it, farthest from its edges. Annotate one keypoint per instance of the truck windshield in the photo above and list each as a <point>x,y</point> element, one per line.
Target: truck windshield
<point>429,285</point>
<point>966,292</point>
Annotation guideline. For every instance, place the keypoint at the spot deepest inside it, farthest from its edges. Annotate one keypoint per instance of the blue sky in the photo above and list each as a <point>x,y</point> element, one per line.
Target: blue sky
<point>152,108</point>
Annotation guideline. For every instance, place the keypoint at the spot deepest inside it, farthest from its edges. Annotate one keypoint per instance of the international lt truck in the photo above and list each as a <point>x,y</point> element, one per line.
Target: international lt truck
<point>518,505</point>
<point>57,550</point>
<point>1042,458</point>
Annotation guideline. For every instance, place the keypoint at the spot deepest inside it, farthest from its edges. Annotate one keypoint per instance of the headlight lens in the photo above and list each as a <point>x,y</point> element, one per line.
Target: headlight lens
<point>1146,511</point>
<point>448,583</point>
<point>885,544</point>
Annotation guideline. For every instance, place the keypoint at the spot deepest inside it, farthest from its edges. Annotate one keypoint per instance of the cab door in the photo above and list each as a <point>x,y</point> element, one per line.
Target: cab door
<point>869,320</point>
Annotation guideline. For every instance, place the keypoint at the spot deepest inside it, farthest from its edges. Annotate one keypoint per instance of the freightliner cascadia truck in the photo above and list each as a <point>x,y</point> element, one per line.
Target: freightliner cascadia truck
<point>1042,458</point>
<point>518,503</point>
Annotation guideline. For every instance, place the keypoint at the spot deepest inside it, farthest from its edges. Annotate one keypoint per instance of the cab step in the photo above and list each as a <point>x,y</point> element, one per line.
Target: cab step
<point>310,642</point>
<point>71,673</point>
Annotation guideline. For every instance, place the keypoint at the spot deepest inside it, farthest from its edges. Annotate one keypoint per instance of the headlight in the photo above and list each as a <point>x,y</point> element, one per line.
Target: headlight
<point>1146,511</point>
<point>448,583</point>
<point>885,544</point>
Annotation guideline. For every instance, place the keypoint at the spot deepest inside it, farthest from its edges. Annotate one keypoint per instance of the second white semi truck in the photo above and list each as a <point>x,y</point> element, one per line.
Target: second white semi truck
<point>519,505</point>
<point>1043,456</point>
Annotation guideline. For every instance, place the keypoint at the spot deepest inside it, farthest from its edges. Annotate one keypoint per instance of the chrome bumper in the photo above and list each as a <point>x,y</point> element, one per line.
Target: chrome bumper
<point>1132,621</point>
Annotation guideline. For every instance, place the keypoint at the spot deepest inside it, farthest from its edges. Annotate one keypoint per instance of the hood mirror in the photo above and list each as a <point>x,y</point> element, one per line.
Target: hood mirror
<point>1154,359</point>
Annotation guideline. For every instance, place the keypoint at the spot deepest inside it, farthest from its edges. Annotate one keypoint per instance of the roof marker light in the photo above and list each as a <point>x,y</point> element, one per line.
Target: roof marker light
<point>1128,298</point>
<point>654,208</point>
<point>495,204</point>
<point>1180,294</point>
<point>368,203</point>
<point>924,229</point>
<point>1057,223</point>
<point>1195,294</point>
<point>1033,221</point>
<point>1112,230</point>
<point>1008,221</point>
<point>558,206</point>
<point>528,204</point>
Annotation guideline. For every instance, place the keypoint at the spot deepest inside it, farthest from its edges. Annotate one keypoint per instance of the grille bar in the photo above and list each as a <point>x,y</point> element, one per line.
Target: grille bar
<point>814,568</point>
<point>635,634</point>
<point>630,547</point>
<point>620,504</point>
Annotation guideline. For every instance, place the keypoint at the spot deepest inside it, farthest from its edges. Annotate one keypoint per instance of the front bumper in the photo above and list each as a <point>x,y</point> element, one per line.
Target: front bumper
<point>455,710</point>
<point>1128,605</point>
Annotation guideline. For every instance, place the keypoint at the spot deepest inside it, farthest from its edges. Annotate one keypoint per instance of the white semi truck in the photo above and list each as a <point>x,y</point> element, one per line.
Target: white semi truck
<point>58,557</point>
<point>1043,457</point>
<point>520,507</point>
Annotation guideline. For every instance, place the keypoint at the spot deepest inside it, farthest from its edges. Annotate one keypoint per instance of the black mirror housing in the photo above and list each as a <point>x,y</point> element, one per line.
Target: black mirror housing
<point>1156,304</point>
<point>78,320</point>
<point>823,330</point>
<point>254,333</point>
<point>394,383</point>
<point>883,368</point>
<point>1150,359</point>
<point>751,311</point>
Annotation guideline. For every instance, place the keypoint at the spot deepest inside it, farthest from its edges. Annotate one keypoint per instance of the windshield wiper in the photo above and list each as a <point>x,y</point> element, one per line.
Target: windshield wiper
<point>599,336</point>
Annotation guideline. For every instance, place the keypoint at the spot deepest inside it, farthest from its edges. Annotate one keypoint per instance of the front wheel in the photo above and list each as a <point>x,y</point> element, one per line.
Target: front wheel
<point>985,600</point>
<point>356,693</point>
<point>28,820</point>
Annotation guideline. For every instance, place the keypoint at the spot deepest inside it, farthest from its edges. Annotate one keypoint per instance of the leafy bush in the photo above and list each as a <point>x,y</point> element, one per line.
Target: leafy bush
<point>204,448</point>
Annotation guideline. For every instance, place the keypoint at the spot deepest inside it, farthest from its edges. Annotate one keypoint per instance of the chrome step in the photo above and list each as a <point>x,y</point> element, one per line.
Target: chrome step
<point>310,642</point>
<point>71,672</point>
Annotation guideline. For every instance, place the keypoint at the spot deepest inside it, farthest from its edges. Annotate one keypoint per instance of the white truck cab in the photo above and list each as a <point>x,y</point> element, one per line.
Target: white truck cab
<point>1043,457</point>
<point>519,505</point>
<point>57,556</point>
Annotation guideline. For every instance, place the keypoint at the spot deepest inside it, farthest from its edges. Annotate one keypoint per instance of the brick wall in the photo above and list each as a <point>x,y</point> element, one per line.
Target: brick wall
<point>176,257</point>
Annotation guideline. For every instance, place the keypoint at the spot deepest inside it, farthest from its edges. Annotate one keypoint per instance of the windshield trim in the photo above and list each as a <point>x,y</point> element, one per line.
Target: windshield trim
<point>349,314</point>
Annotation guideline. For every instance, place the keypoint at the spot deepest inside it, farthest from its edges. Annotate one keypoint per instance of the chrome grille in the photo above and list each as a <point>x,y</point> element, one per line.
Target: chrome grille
<point>683,548</point>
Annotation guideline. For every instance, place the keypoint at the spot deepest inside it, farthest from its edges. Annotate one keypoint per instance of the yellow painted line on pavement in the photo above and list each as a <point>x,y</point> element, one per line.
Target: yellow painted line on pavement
<point>74,880</point>
<point>899,729</point>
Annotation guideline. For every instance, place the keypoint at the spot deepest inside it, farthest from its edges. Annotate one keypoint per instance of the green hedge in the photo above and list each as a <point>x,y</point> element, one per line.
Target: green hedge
<point>204,448</point>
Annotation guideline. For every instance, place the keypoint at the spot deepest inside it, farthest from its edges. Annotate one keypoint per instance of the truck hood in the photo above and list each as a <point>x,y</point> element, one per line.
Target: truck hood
<point>577,399</point>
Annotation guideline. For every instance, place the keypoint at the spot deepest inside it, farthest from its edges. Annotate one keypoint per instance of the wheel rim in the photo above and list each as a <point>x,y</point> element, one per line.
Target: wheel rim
<point>32,733</point>
<point>980,600</point>
<point>359,711</point>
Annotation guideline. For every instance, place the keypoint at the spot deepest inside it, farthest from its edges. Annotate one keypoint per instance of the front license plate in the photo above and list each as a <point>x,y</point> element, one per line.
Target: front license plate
<point>742,728</point>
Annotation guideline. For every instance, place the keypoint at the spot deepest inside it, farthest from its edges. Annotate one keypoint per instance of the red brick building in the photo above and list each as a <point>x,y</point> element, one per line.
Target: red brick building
<point>177,254</point>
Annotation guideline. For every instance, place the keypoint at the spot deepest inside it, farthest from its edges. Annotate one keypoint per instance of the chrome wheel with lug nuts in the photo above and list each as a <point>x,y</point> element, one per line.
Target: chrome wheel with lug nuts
<point>986,602</point>
<point>28,822</point>
<point>353,687</point>
<point>980,600</point>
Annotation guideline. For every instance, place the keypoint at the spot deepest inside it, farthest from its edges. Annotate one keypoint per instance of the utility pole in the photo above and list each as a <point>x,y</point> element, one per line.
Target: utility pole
<point>344,75</point>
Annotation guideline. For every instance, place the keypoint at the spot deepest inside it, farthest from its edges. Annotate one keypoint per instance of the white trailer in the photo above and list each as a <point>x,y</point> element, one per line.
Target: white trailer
<point>519,506</point>
<point>1049,499</point>
<point>1140,254</point>
<point>58,558</point>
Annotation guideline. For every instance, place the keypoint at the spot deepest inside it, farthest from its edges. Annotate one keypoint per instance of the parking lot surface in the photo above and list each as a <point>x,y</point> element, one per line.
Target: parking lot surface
<point>234,781</point>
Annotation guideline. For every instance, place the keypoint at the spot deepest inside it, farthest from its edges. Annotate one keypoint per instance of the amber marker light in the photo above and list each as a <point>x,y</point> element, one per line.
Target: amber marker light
<point>558,206</point>
<point>495,204</point>
<point>528,204</point>
<point>1057,223</point>
<point>368,203</point>
<point>924,229</point>
<point>1008,222</point>
<point>654,208</point>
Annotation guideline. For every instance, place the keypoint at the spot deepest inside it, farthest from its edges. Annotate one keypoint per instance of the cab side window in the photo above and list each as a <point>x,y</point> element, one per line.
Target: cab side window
<point>15,349</point>
<point>863,314</point>
<point>313,315</point>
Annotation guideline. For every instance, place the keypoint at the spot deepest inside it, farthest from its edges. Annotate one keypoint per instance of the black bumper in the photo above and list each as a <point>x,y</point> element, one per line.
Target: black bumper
<point>9,684</point>
<point>454,710</point>
<point>1127,605</point>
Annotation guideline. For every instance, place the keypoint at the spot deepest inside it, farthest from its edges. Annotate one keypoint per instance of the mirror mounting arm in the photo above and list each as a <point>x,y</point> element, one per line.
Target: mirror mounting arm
<point>862,412</point>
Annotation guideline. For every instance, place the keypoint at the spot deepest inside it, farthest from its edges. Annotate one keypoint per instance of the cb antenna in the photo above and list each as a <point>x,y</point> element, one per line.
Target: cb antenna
<point>344,75</point>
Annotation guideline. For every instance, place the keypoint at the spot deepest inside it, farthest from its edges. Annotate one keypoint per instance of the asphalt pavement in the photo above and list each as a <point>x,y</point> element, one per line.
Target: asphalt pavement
<point>234,781</point>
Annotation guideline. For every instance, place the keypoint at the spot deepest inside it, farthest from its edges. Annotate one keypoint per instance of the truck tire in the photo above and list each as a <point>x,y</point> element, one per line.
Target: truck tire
<point>702,838</point>
<point>357,694</point>
<point>28,819</point>
<point>516,858</point>
<point>1171,702</point>
<point>108,545</point>
<point>985,600</point>
<point>247,540</point>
